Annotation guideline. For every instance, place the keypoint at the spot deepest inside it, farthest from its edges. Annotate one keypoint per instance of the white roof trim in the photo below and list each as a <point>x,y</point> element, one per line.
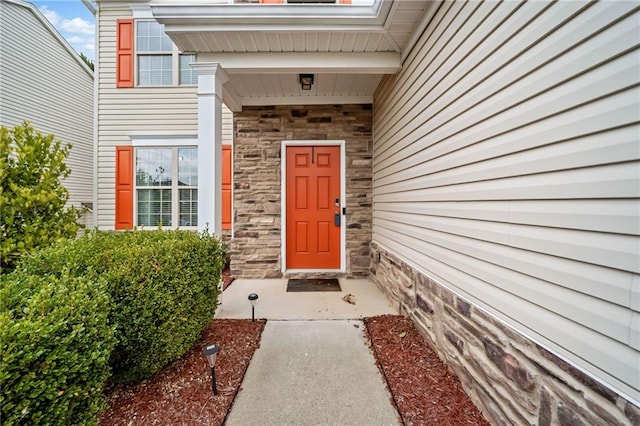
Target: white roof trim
<point>203,12</point>
<point>36,12</point>
<point>141,11</point>
<point>307,100</point>
<point>317,63</point>
<point>419,29</point>
<point>231,98</point>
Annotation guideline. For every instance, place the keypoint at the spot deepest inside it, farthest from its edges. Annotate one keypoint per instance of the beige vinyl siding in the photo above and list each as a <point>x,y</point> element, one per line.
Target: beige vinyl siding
<point>139,111</point>
<point>506,166</point>
<point>227,125</point>
<point>44,82</point>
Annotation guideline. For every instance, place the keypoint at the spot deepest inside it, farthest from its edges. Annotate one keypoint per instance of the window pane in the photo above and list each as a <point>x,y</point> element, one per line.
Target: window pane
<point>155,70</point>
<point>156,181</point>
<point>154,207</point>
<point>187,74</point>
<point>153,167</point>
<point>150,37</point>
<point>142,36</point>
<point>188,207</point>
<point>188,166</point>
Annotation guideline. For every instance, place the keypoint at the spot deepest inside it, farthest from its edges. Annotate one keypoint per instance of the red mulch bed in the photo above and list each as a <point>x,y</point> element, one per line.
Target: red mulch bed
<point>423,389</point>
<point>181,393</point>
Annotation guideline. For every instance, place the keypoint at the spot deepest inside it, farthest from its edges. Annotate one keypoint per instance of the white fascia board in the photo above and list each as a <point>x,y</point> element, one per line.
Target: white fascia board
<point>307,100</point>
<point>317,63</point>
<point>231,98</point>
<point>90,6</point>
<point>141,11</point>
<point>175,12</point>
<point>419,29</point>
<point>224,27</point>
<point>118,4</point>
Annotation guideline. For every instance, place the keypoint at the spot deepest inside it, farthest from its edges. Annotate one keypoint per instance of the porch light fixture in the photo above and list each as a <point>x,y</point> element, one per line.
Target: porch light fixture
<point>252,298</point>
<point>210,352</point>
<point>306,81</point>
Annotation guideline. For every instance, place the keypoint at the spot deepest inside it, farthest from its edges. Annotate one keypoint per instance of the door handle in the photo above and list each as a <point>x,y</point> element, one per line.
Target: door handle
<point>336,218</point>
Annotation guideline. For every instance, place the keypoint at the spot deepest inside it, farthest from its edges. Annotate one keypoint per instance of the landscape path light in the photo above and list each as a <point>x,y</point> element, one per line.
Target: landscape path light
<point>210,352</point>
<point>253,298</point>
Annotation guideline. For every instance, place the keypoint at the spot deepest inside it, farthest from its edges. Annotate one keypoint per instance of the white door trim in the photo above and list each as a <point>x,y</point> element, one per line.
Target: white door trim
<point>343,200</point>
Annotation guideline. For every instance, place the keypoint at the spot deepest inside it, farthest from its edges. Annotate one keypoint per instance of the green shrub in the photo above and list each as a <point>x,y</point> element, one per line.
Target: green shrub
<point>164,286</point>
<point>32,197</point>
<point>55,344</point>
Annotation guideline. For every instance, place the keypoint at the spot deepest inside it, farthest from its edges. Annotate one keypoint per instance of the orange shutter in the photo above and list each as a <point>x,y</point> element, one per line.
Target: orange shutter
<point>124,187</point>
<point>124,53</point>
<point>226,186</point>
<point>344,1</point>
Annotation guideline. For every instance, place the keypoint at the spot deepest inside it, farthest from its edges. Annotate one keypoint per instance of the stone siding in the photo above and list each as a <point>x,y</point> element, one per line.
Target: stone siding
<point>258,134</point>
<point>510,378</point>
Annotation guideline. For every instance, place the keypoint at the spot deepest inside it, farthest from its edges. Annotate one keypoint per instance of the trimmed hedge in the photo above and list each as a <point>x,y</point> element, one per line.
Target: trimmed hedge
<point>164,287</point>
<point>55,343</point>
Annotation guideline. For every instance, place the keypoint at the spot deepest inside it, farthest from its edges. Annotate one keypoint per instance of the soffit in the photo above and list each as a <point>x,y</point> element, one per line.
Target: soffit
<point>349,48</point>
<point>203,26</point>
<point>284,89</point>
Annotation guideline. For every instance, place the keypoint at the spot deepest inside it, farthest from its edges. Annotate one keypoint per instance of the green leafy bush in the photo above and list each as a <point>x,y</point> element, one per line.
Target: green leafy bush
<point>55,343</point>
<point>32,197</point>
<point>164,286</point>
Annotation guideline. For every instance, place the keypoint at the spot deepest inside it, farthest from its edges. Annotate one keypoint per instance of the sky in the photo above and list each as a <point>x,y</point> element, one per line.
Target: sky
<point>73,20</point>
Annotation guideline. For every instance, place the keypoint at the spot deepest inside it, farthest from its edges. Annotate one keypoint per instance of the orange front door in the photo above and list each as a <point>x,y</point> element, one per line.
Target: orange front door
<point>313,200</point>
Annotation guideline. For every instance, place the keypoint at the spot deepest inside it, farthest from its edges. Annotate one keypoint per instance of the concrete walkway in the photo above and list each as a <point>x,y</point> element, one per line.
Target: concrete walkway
<point>313,373</point>
<point>314,365</point>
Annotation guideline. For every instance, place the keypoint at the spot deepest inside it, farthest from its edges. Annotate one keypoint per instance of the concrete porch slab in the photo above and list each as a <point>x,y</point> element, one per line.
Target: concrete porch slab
<point>275,303</point>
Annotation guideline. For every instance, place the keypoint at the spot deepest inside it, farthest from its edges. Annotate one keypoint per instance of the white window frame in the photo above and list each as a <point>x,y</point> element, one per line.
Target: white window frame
<point>191,70</point>
<point>152,142</point>
<point>175,59</point>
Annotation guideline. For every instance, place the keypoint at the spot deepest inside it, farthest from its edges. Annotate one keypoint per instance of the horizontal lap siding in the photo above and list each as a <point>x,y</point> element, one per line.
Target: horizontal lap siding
<point>507,167</point>
<point>123,112</point>
<point>42,82</point>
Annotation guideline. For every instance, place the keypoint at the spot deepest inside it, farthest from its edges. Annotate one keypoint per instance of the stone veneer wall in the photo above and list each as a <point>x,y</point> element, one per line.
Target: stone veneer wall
<point>258,134</point>
<point>510,378</point>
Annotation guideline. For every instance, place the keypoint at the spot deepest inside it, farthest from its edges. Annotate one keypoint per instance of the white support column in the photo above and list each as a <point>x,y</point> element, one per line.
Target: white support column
<point>211,77</point>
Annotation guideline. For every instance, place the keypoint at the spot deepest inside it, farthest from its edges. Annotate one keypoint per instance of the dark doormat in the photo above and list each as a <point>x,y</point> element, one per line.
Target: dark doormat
<point>313,284</point>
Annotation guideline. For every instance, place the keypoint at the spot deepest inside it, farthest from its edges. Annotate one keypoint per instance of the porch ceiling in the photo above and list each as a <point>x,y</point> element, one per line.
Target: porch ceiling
<point>284,89</point>
<point>263,47</point>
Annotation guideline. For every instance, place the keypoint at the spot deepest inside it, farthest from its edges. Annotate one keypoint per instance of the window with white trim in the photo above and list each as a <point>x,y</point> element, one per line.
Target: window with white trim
<point>158,60</point>
<point>187,74</point>
<point>166,186</point>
